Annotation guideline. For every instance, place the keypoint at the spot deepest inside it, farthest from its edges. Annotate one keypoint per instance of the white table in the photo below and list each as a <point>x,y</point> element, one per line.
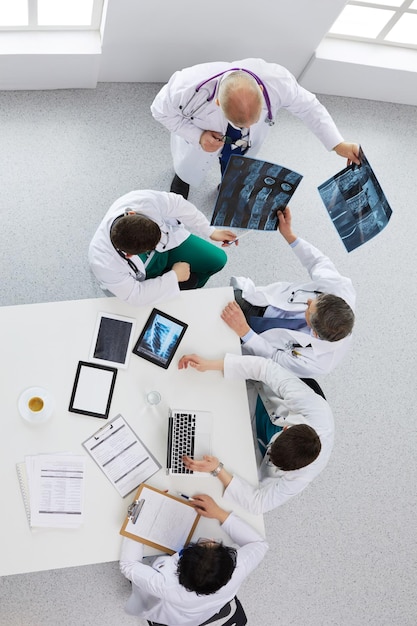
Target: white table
<point>41,345</point>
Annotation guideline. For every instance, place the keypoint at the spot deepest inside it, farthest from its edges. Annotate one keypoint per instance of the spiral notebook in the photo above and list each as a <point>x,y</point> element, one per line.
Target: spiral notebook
<point>24,487</point>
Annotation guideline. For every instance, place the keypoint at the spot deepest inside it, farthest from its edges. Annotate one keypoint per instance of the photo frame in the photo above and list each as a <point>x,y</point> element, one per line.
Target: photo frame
<point>93,389</point>
<point>112,340</point>
<point>160,338</point>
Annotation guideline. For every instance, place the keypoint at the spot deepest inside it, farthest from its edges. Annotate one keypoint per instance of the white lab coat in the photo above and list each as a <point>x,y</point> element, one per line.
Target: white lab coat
<point>277,343</point>
<point>174,106</point>
<point>172,214</point>
<point>288,401</point>
<point>158,596</point>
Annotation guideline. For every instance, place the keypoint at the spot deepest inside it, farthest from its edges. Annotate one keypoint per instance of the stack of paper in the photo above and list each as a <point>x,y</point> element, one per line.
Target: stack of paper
<point>52,487</point>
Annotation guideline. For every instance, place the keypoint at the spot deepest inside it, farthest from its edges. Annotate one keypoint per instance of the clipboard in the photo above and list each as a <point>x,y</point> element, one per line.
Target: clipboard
<point>121,455</point>
<point>160,520</point>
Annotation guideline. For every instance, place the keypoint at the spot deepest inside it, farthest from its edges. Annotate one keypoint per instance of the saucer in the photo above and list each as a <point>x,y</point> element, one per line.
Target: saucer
<point>35,417</point>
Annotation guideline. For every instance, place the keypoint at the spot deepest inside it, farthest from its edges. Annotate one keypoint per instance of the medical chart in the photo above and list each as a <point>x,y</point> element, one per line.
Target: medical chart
<point>56,489</point>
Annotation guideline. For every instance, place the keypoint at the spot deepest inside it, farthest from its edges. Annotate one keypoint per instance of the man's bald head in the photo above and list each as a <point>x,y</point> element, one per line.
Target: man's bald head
<point>240,98</point>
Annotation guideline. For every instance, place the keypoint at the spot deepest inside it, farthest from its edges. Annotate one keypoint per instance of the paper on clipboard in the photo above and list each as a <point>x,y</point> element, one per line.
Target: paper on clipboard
<point>122,456</point>
<point>165,522</point>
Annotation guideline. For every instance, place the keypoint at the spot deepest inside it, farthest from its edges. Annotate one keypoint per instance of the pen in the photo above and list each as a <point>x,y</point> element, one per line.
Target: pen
<point>184,496</point>
<point>229,243</point>
<point>295,353</point>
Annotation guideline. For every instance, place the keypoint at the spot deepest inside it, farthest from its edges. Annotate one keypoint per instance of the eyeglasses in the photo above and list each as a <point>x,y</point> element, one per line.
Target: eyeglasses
<point>243,143</point>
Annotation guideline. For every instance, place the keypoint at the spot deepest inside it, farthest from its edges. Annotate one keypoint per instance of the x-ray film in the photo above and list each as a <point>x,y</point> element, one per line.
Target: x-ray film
<point>356,203</point>
<point>160,338</point>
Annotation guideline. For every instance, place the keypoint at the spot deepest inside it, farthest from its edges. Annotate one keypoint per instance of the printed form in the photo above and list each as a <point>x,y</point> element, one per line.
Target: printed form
<point>56,489</point>
<point>121,455</point>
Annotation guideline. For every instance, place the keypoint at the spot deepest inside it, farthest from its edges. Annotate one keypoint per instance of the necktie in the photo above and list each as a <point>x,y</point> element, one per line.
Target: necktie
<point>260,324</point>
<point>232,135</point>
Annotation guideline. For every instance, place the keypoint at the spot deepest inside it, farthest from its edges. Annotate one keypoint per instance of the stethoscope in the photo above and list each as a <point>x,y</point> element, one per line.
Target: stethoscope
<point>293,295</point>
<point>207,96</point>
<point>139,275</point>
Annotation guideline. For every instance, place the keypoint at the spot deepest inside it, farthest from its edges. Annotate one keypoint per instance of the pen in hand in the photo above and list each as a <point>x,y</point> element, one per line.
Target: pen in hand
<point>229,243</point>
<point>183,495</point>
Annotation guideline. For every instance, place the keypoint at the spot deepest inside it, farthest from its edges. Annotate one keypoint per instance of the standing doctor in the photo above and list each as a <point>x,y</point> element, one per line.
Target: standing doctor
<point>214,110</point>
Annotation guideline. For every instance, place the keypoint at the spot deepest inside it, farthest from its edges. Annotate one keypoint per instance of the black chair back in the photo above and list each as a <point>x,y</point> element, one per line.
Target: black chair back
<point>232,614</point>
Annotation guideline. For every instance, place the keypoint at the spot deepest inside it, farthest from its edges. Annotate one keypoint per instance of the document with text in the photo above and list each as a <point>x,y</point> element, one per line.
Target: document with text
<point>161,520</point>
<point>122,456</point>
<point>56,489</point>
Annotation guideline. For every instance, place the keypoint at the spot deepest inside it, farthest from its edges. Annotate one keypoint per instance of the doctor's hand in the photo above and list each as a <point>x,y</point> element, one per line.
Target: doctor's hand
<point>211,141</point>
<point>284,225</point>
<point>348,150</point>
<point>182,270</point>
<point>233,316</point>
<point>198,363</point>
<point>226,236</point>
<point>207,507</point>
<point>208,464</point>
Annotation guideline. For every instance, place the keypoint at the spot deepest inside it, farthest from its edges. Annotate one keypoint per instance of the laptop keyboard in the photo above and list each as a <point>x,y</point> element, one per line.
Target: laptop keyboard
<point>183,433</point>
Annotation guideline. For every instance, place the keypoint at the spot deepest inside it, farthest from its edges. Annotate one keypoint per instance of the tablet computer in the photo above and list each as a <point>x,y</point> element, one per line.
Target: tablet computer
<point>160,338</point>
<point>112,340</point>
<point>93,390</point>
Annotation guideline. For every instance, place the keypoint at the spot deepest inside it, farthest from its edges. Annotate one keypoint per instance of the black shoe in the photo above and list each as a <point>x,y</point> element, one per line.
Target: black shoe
<point>249,310</point>
<point>191,283</point>
<point>180,187</point>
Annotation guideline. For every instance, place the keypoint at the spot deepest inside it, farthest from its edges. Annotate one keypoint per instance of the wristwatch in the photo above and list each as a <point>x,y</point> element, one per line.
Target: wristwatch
<point>218,469</point>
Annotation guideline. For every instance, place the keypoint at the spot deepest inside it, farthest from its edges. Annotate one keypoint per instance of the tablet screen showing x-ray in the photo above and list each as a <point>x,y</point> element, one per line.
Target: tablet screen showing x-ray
<point>160,338</point>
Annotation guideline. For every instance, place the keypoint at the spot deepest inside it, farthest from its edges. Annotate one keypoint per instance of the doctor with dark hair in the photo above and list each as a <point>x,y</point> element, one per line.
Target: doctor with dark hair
<point>199,584</point>
<point>152,244</point>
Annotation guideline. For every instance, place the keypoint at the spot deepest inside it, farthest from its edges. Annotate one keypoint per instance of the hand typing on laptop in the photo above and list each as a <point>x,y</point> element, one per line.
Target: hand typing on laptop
<point>209,464</point>
<point>189,434</point>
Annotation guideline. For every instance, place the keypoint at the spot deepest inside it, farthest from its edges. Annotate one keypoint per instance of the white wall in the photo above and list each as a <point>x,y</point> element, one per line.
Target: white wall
<point>148,41</point>
<point>49,60</point>
<point>362,70</point>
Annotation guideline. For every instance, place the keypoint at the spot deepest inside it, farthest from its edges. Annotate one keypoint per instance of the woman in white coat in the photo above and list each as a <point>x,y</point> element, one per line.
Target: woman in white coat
<point>189,106</point>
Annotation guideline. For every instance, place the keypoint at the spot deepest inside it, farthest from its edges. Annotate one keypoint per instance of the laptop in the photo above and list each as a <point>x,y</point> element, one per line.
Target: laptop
<point>189,433</point>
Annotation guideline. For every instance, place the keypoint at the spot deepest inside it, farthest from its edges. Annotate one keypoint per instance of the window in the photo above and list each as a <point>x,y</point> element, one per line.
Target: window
<point>29,15</point>
<point>392,22</point>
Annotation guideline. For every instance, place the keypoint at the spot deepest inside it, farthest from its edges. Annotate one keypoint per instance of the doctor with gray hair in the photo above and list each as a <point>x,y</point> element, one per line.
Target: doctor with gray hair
<point>214,110</point>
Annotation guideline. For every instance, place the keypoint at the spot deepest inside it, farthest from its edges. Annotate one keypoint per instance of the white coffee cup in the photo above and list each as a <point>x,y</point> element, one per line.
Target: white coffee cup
<point>35,405</point>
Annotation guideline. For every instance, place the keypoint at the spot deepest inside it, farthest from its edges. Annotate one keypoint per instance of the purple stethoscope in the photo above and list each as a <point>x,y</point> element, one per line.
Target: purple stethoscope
<point>200,98</point>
